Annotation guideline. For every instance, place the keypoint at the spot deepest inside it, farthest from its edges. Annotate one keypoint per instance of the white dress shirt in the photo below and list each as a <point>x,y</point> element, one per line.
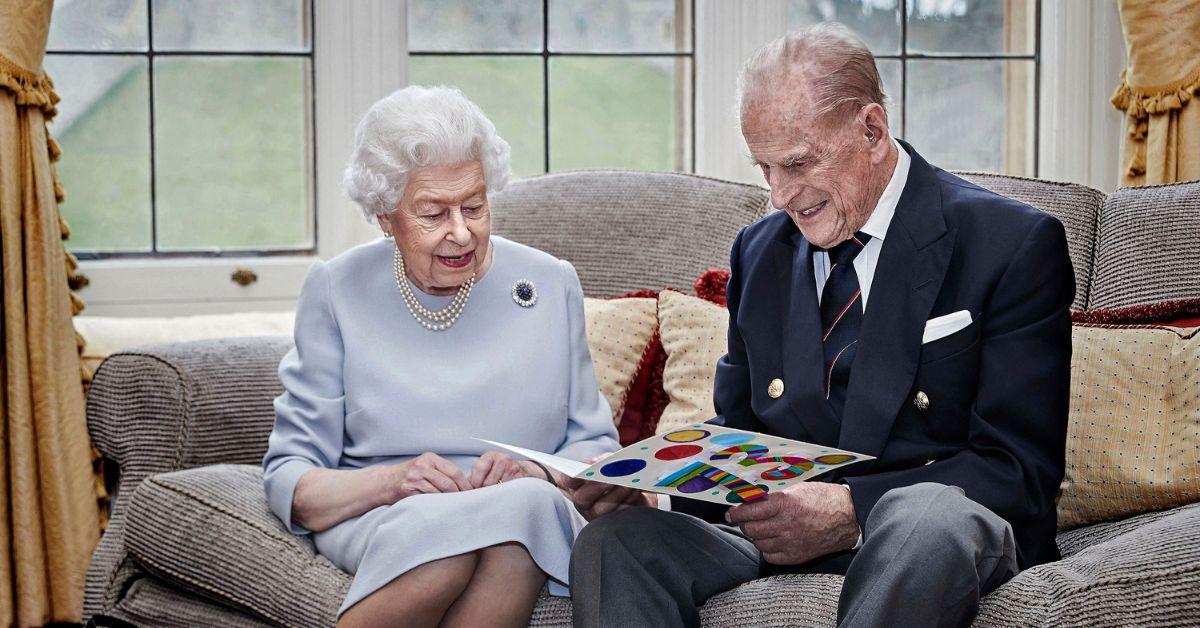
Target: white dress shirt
<point>876,227</point>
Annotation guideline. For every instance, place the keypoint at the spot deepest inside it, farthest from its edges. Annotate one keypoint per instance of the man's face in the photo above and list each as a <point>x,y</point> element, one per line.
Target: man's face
<point>820,172</point>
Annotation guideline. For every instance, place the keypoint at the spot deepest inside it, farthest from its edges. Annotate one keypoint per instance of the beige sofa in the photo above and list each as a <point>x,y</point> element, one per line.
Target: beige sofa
<point>184,426</point>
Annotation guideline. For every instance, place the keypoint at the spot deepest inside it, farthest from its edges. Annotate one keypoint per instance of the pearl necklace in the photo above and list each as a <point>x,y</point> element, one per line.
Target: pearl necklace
<point>439,320</point>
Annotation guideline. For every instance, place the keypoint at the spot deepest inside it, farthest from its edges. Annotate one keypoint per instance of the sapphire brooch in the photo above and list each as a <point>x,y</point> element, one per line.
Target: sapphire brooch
<point>524,293</point>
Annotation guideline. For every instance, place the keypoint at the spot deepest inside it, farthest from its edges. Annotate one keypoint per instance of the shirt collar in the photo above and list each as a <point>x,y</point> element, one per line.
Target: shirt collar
<point>881,216</point>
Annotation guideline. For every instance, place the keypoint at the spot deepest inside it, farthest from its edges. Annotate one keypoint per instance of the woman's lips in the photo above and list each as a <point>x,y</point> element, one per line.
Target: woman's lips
<point>457,262</point>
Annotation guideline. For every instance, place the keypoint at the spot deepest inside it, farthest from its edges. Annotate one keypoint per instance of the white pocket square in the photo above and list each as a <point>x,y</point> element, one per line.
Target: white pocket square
<point>943,326</point>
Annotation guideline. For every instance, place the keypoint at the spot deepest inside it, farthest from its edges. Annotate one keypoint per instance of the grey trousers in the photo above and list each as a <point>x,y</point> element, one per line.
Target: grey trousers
<point>929,554</point>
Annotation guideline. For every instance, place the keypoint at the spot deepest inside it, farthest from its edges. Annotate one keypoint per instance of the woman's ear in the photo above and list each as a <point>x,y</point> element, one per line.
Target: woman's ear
<point>384,225</point>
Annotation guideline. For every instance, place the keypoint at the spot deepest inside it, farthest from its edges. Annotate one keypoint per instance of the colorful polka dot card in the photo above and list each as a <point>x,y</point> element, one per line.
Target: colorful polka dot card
<point>708,462</point>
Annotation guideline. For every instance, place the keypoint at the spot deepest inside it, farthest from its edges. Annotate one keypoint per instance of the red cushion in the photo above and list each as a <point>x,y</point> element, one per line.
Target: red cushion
<point>1181,313</point>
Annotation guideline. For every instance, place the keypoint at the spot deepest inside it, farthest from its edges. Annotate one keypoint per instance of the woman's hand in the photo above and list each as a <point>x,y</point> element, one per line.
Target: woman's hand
<point>593,499</point>
<point>427,473</point>
<point>494,467</point>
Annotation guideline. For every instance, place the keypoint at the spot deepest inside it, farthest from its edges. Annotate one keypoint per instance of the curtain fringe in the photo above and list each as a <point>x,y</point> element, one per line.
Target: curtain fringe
<point>31,89</point>
<point>1139,104</point>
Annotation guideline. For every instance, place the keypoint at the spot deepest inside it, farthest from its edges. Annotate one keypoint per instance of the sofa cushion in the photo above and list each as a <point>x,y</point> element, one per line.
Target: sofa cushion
<point>1134,434</point>
<point>626,230</point>
<point>209,530</point>
<point>153,602</point>
<point>1149,249</point>
<point>693,334</point>
<point>1076,206</point>
<point>1145,577</point>
<point>618,332</point>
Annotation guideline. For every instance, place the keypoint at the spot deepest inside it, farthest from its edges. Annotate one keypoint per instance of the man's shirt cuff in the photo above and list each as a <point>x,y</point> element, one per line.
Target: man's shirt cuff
<point>664,502</point>
<point>858,544</point>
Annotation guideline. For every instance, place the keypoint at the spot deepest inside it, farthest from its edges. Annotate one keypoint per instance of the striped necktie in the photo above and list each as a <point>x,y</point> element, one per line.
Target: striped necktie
<point>841,317</point>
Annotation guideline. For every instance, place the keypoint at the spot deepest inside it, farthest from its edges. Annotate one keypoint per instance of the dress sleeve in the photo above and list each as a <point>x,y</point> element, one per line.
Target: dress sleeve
<point>590,429</point>
<point>310,414</point>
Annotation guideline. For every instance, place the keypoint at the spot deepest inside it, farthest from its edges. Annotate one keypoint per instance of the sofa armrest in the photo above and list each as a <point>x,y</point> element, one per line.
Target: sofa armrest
<point>1146,576</point>
<point>166,407</point>
<point>175,406</point>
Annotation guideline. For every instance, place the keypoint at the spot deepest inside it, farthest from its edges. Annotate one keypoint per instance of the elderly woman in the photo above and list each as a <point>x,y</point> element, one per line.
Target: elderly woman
<point>408,350</point>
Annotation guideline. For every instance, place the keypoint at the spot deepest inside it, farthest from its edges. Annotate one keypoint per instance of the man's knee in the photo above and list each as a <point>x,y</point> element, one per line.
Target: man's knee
<point>633,527</point>
<point>943,516</point>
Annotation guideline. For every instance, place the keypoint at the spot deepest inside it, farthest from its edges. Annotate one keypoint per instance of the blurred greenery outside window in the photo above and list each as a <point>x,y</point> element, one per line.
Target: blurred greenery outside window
<point>186,125</point>
<point>961,75</point>
<point>569,83</point>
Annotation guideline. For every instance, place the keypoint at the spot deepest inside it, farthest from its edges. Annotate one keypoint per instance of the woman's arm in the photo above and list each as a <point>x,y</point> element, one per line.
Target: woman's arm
<point>327,497</point>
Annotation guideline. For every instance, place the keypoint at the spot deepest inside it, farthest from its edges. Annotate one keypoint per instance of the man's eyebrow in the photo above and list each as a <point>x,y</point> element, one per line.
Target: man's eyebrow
<point>790,160</point>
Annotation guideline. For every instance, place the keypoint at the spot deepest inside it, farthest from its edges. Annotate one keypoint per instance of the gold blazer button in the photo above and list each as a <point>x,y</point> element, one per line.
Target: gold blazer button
<point>775,389</point>
<point>921,401</point>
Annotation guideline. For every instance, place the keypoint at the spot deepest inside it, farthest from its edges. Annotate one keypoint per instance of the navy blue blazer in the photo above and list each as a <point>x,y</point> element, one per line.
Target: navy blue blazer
<point>996,420</point>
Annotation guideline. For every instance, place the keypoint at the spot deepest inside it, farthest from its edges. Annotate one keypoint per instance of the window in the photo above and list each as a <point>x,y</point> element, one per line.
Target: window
<point>186,126</point>
<point>962,75</point>
<point>569,83</point>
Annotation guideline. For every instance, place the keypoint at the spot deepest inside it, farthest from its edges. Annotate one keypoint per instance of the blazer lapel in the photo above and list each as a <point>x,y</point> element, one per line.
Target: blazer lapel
<point>912,264</point>
<point>800,322</point>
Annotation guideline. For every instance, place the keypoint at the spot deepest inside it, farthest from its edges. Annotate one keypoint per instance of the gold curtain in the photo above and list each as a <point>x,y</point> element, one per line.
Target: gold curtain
<point>1158,91</point>
<point>48,511</point>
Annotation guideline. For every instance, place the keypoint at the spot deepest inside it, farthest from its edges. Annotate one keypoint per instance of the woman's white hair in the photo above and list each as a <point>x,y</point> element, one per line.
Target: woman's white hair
<point>416,127</point>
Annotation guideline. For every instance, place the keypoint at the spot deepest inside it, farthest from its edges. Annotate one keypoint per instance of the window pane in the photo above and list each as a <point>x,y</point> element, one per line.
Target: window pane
<point>470,26</point>
<point>620,26</point>
<point>889,72</point>
<point>877,22</point>
<point>507,89</point>
<point>231,152</point>
<point>971,26</point>
<point>261,25</point>
<point>98,25</point>
<point>620,113</point>
<point>103,127</point>
<point>972,115</point>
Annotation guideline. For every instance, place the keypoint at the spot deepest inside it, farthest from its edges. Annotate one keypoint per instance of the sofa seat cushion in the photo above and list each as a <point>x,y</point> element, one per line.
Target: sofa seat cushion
<point>209,530</point>
<point>152,602</point>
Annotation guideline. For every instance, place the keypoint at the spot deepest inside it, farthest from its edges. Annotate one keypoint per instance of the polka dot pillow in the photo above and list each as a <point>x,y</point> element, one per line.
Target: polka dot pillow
<point>618,332</point>
<point>693,333</point>
<point>1133,444</point>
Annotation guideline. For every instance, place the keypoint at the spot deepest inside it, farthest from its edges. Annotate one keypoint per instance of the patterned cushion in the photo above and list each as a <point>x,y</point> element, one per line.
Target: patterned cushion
<point>626,230</point>
<point>1077,206</point>
<point>1149,246</point>
<point>618,331</point>
<point>1134,435</point>
<point>693,334</point>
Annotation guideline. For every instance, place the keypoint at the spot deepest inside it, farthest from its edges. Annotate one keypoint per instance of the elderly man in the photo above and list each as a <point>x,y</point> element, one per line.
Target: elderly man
<point>892,309</point>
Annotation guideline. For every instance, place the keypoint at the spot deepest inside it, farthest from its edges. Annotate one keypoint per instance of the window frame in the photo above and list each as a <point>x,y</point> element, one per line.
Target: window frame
<point>546,54</point>
<point>360,55</point>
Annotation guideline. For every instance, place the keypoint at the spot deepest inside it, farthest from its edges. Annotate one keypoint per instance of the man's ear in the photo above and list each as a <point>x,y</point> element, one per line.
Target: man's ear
<point>873,121</point>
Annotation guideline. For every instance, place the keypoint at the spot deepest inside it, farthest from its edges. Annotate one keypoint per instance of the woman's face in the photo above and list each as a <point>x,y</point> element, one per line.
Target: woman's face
<point>442,226</point>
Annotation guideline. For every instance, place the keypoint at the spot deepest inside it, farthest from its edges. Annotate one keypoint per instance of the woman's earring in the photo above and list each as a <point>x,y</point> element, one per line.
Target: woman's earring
<point>387,234</point>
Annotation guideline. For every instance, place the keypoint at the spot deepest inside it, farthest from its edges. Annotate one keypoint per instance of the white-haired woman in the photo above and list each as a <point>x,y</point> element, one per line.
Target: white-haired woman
<point>410,348</point>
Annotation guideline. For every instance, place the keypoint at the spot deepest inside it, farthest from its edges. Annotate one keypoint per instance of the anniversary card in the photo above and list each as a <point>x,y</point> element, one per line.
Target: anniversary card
<point>706,462</point>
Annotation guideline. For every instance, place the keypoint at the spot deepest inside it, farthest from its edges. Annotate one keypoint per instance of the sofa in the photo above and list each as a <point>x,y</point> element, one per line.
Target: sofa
<point>183,426</point>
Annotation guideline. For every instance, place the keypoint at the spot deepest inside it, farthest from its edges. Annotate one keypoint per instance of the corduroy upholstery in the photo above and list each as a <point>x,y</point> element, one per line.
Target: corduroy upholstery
<point>1077,206</point>
<point>1149,246</point>
<point>626,231</point>
<point>192,544</point>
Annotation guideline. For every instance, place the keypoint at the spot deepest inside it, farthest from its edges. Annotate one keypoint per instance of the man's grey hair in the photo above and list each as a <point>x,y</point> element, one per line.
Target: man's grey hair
<point>838,68</point>
<point>416,127</point>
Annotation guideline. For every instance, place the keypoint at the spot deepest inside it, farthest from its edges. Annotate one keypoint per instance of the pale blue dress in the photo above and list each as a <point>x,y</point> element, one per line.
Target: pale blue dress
<point>367,385</point>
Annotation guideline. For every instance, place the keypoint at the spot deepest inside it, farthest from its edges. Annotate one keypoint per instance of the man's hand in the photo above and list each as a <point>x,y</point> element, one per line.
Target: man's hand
<point>593,499</point>
<point>804,522</point>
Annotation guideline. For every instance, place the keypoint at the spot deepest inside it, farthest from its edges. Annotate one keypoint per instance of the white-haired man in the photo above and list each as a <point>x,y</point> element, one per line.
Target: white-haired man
<point>892,309</point>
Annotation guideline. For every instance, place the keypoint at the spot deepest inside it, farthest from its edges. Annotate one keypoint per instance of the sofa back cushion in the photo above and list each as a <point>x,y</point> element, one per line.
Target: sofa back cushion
<point>1076,206</point>
<point>626,231</point>
<point>1149,249</point>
